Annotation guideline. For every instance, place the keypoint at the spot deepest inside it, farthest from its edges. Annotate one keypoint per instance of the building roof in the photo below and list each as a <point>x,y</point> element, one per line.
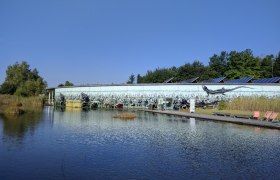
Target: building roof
<point>215,80</point>
<point>192,80</point>
<point>267,80</point>
<point>168,80</point>
<point>241,80</point>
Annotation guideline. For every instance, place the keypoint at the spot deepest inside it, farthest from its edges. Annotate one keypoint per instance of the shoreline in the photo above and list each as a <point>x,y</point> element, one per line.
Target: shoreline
<point>241,121</point>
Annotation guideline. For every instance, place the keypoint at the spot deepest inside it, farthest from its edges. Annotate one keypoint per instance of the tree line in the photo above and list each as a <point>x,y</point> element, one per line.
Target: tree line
<point>232,65</point>
<point>22,81</point>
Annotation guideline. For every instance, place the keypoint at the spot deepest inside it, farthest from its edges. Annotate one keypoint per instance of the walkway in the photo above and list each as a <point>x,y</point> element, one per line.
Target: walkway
<point>241,121</point>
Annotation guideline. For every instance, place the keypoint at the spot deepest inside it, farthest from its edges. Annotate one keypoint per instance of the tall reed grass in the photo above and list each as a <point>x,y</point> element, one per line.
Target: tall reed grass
<point>10,103</point>
<point>254,104</point>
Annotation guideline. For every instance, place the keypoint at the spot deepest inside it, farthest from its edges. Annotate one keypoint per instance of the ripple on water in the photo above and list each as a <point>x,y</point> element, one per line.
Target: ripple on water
<point>94,145</point>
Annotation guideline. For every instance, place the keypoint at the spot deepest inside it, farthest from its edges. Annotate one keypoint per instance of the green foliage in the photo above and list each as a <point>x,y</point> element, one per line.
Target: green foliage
<point>157,76</point>
<point>219,64</point>
<point>139,78</point>
<point>222,105</point>
<point>187,71</point>
<point>68,83</point>
<point>232,65</point>
<point>196,69</point>
<point>131,79</point>
<point>266,66</point>
<point>22,81</point>
<point>7,88</point>
<point>276,66</point>
<point>242,64</point>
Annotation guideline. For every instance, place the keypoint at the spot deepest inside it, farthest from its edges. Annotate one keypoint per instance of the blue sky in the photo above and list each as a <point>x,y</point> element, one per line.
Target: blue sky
<point>104,41</point>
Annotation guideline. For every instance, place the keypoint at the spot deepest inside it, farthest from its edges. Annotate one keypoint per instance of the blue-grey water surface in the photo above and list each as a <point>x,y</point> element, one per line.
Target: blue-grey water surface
<point>93,145</point>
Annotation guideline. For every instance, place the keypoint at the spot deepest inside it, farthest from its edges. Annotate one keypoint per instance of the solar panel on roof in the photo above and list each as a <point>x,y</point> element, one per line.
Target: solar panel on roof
<point>168,80</point>
<point>215,80</point>
<point>192,80</point>
<point>267,80</point>
<point>242,80</point>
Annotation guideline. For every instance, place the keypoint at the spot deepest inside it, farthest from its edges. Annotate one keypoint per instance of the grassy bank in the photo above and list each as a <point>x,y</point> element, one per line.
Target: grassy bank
<point>10,104</point>
<point>253,104</point>
<point>245,106</point>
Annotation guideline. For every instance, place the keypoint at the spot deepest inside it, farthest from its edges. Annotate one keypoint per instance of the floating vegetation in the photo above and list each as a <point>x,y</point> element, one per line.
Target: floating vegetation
<point>125,116</point>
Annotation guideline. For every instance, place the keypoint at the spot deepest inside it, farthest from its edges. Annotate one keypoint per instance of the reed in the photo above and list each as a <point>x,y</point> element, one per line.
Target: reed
<point>10,104</point>
<point>126,116</point>
<point>254,104</point>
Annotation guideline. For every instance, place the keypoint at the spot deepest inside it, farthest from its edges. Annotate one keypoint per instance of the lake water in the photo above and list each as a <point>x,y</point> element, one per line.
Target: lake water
<point>92,145</point>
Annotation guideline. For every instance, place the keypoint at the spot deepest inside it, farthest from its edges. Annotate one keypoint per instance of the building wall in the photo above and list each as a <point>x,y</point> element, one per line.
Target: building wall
<point>119,93</point>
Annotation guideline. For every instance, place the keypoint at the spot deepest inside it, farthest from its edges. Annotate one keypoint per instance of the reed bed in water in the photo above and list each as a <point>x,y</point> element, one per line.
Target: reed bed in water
<point>10,104</point>
<point>254,104</point>
<point>126,116</point>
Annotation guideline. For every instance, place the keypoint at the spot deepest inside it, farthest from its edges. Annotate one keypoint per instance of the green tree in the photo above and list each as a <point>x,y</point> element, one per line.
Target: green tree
<point>266,66</point>
<point>131,79</point>
<point>232,65</point>
<point>276,66</point>
<point>139,79</point>
<point>196,69</point>
<point>7,88</point>
<point>159,75</point>
<point>23,81</point>
<point>68,83</point>
<point>242,64</point>
<point>219,64</point>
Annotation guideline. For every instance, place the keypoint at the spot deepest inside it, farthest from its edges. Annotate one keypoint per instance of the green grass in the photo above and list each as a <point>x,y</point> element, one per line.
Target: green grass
<point>211,111</point>
<point>246,106</point>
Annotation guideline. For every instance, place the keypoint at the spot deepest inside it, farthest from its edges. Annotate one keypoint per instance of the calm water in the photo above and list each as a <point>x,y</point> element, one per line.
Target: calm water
<point>92,145</point>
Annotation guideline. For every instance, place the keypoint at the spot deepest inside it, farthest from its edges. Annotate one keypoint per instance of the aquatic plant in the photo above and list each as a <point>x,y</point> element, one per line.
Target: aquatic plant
<point>126,116</point>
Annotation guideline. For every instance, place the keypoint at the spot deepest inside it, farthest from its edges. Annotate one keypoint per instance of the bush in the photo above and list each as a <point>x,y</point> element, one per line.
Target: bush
<point>222,105</point>
<point>254,104</point>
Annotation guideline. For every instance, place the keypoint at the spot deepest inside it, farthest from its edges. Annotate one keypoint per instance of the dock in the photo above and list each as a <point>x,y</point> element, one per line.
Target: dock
<point>241,121</point>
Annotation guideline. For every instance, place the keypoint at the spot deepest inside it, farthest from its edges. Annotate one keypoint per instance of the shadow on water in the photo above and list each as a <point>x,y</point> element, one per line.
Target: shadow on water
<point>17,126</point>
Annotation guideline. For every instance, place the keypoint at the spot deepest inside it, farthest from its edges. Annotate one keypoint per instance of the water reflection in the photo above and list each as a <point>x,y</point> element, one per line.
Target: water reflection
<point>193,124</point>
<point>16,127</point>
<point>77,144</point>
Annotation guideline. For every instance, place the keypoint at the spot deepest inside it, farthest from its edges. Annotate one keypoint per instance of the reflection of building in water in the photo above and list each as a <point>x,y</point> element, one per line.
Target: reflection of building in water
<point>72,109</point>
<point>50,112</point>
<point>192,124</point>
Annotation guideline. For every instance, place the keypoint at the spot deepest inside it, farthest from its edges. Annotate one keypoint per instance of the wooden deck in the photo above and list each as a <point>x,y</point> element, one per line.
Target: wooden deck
<point>242,121</point>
